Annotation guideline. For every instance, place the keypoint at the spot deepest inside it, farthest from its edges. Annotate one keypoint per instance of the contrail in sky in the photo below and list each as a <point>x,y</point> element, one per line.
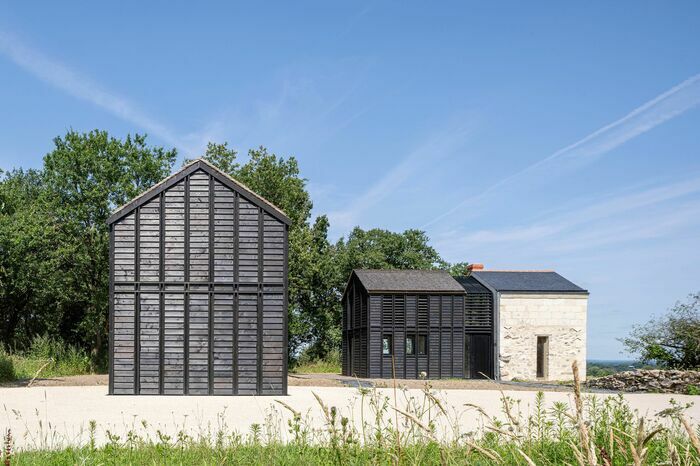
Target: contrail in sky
<point>676,101</point>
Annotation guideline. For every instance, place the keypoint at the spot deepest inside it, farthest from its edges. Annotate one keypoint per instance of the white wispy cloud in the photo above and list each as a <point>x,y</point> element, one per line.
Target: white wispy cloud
<point>645,214</point>
<point>658,110</point>
<point>63,77</point>
<point>426,155</point>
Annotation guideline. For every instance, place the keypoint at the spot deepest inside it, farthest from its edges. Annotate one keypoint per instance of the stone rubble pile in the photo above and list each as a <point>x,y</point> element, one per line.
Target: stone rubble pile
<point>654,380</point>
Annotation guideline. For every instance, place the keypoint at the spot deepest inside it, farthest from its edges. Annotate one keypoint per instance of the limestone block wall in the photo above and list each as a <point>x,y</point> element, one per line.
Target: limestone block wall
<point>523,317</point>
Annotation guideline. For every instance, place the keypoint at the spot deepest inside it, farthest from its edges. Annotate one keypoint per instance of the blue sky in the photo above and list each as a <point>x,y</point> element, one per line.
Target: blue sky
<point>549,136</point>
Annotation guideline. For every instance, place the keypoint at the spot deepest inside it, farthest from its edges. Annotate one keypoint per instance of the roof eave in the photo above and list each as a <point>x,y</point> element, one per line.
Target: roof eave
<point>460,292</point>
<point>572,292</point>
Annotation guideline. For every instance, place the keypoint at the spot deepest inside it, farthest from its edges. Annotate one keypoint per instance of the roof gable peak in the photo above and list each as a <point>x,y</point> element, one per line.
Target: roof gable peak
<point>188,169</point>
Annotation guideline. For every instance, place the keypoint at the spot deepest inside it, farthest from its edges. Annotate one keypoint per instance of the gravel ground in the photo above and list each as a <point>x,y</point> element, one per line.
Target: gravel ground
<point>325,380</point>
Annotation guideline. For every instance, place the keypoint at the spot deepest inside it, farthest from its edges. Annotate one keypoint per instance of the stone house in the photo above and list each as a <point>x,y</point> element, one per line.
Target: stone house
<point>540,324</point>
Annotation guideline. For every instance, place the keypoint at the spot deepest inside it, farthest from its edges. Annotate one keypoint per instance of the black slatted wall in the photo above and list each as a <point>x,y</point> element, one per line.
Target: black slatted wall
<point>355,343</point>
<point>438,317</point>
<point>198,292</point>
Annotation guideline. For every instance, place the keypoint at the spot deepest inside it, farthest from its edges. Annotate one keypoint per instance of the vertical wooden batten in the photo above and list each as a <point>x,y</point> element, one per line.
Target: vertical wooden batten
<point>261,239</point>
<point>137,303</point>
<point>236,281</point>
<point>186,322</point>
<point>161,296</point>
<point>210,340</point>
<point>111,311</point>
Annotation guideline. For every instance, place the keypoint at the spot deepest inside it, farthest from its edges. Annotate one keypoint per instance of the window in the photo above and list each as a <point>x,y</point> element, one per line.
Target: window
<point>422,344</point>
<point>386,345</point>
<point>411,344</point>
<point>542,357</point>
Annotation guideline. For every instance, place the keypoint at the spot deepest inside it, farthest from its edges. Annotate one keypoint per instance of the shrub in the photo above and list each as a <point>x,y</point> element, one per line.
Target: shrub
<point>48,356</point>
<point>692,390</point>
<point>328,365</point>
<point>7,367</point>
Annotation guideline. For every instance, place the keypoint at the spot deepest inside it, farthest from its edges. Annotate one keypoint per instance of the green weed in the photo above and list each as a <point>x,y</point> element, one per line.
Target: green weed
<point>46,357</point>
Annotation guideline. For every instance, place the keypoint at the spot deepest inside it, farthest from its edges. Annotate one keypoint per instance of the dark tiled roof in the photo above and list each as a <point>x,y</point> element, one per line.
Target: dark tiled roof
<point>472,285</point>
<point>545,282</point>
<point>408,281</point>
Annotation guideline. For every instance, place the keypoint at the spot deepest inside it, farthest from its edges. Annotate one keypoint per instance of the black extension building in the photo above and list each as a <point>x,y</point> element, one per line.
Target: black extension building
<point>406,322</point>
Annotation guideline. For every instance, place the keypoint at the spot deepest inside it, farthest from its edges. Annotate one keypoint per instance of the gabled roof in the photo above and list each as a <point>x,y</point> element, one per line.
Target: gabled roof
<point>435,281</point>
<point>199,164</point>
<point>471,284</point>
<point>527,281</point>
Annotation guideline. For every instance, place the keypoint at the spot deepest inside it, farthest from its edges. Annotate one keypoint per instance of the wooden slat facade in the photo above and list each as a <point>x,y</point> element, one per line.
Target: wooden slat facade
<point>198,291</point>
<point>445,320</point>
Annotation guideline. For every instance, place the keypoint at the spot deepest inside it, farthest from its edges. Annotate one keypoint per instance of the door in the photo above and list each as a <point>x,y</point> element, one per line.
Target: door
<point>478,356</point>
<point>351,359</point>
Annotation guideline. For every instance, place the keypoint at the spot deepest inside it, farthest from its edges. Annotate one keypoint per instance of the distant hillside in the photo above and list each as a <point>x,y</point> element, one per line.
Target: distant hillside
<point>600,368</point>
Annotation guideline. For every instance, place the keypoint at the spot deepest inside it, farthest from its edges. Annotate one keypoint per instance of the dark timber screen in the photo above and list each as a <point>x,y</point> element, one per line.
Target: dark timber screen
<point>402,332</point>
<point>198,289</point>
<point>479,348</point>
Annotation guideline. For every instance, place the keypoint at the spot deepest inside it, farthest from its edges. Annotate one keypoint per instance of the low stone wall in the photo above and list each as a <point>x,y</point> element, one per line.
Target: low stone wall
<point>659,381</point>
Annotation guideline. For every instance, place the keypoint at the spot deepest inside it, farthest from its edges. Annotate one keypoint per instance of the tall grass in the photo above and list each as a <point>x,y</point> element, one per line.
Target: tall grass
<point>328,365</point>
<point>46,357</point>
<point>402,428</point>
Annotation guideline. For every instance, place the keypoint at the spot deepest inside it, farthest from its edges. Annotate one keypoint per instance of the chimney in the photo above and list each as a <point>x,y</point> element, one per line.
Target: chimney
<point>474,267</point>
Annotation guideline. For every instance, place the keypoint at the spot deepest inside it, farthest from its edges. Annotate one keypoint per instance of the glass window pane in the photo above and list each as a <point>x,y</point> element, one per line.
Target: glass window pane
<point>410,344</point>
<point>386,344</point>
<point>422,344</point>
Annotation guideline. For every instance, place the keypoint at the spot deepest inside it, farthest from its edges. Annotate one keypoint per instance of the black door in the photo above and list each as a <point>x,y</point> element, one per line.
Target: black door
<point>478,356</point>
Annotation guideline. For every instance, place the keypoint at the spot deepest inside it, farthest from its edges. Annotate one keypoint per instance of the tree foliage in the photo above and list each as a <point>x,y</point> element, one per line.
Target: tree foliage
<point>55,239</point>
<point>672,340</point>
<point>31,284</point>
<point>54,242</point>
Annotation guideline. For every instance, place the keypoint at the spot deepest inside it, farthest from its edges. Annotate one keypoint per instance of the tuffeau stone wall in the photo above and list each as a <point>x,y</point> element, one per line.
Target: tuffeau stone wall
<point>525,316</point>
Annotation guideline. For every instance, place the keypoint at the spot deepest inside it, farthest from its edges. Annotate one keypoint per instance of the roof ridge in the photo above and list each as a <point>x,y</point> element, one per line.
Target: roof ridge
<point>517,271</point>
<point>401,270</point>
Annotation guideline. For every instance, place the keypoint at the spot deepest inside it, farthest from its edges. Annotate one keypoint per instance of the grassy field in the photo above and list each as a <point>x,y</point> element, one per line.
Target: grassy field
<point>46,357</point>
<point>549,453</point>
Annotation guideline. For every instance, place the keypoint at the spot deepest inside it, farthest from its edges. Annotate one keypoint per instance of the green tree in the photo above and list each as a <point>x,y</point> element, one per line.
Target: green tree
<point>31,281</point>
<point>383,249</point>
<point>221,156</point>
<point>458,269</point>
<point>672,340</point>
<point>315,288</point>
<point>86,176</point>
